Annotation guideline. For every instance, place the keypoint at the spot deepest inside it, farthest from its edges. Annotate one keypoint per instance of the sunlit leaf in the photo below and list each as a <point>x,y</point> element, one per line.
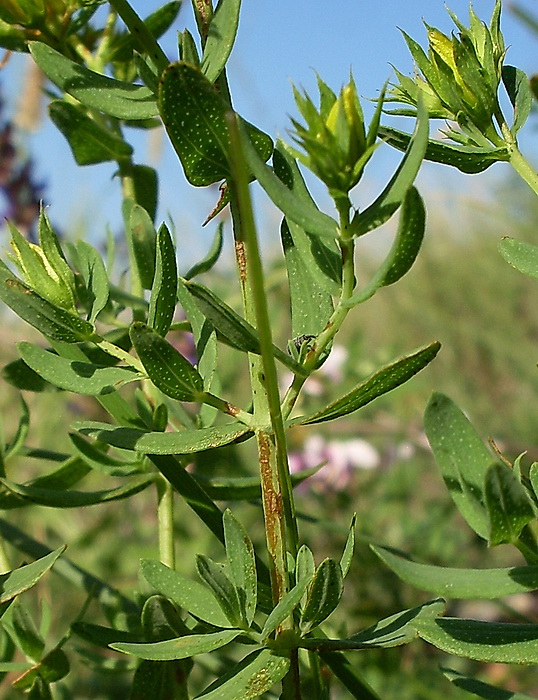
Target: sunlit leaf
<point>180,648</point>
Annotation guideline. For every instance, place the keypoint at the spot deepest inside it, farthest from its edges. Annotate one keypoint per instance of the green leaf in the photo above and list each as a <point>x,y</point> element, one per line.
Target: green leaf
<point>142,239</point>
<point>508,505</point>
<point>19,580</point>
<point>348,674</point>
<point>54,498</point>
<point>156,443</point>
<point>180,648</point>
<point>189,595</point>
<point>79,377</point>
<point>161,620</point>
<point>89,141</point>
<point>163,300</point>
<point>146,188</point>
<point>113,97</point>
<point>390,632</point>
<point>194,115</point>
<point>172,373</point>
<point>51,668</point>
<point>323,596</point>
<point>462,458</point>
<point>250,678</point>
<point>241,565</point>
<point>19,375</point>
<point>158,680</point>
<point>493,642</point>
<point>220,38</point>
<point>294,206</point>
<point>285,606</point>
<point>461,584</point>
<point>93,271</point>
<point>245,488</point>
<point>519,91</point>
<point>215,577</point>
<point>394,193</point>
<point>17,443</point>
<point>311,305</point>
<point>522,256</point>
<point>482,690</point>
<point>211,258</point>
<point>53,321</point>
<point>467,159</point>
<point>237,332</point>
<point>404,250</point>
<point>379,383</point>
<point>101,461</point>
<point>349,547</point>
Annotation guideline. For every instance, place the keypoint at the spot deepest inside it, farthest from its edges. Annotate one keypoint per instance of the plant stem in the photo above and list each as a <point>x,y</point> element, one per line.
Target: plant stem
<point>524,169</point>
<point>165,512</point>
<point>141,33</point>
<point>281,532</point>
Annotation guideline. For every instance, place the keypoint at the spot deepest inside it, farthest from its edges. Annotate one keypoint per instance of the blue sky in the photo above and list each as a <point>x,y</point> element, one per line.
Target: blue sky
<point>279,43</point>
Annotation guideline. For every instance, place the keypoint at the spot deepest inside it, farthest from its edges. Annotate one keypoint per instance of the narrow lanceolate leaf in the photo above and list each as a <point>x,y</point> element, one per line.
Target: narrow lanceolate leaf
<point>216,578</point>
<point>180,648</point>
<point>189,595</point>
<point>220,39</point>
<point>93,271</point>
<point>484,584</point>
<point>404,250</point>
<point>113,97</point>
<point>89,141</point>
<point>212,256</point>
<point>163,300</point>
<point>241,564</point>
<point>522,256</point>
<point>462,458</point>
<point>311,305</point>
<point>377,384</point>
<point>393,195</point>
<point>285,606</point>
<point>172,373</point>
<point>182,442</point>
<point>254,675</point>
<point>493,642</point>
<point>79,377</point>
<point>393,631</point>
<point>237,332</point>
<point>54,498</point>
<point>101,461</point>
<point>51,320</point>
<point>519,91</point>
<point>349,547</point>
<point>467,159</point>
<point>15,582</point>
<point>194,115</point>
<point>142,239</point>
<point>324,594</point>
<point>243,488</point>
<point>481,689</point>
<point>508,505</point>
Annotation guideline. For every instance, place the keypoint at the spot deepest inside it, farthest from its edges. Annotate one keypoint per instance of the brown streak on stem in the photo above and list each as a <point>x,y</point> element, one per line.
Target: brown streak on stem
<point>241,259</point>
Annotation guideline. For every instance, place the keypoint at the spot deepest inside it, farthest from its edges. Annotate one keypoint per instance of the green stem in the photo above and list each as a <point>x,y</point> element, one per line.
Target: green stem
<point>282,534</point>
<point>228,408</point>
<point>141,33</point>
<point>121,354</point>
<point>524,169</point>
<point>165,512</point>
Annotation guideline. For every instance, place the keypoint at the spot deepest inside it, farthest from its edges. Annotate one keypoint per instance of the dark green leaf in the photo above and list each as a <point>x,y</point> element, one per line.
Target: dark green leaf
<point>51,320</point>
<point>285,606</point>
<point>180,648</point>
<point>172,373</point>
<point>102,636</point>
<point>211,258</point>
<point>508,505</point>
<point>493,642</point>
<point>394,193</point>
<point>253,676</point>
<point>89,141</point>
<point>161,620</point>
<point>19,375</point>
<point>216,578</point>
<point>146,187</point>
<point>188,595</point>
<point>160,680</point>
<point>462,458</point>
<point>79,377</point>
<point>54,498</point>
<point>220,38</point>
<point>348,674</point>
<point>519,91</point>
<point>163,300</point>
<point>483,584</point>
<point>241,565</point>
<point>467,159</point>
<point>522,256</point>
<point>51,668</point>
<point>113,97</point>
<point>142,239</point>
<point>379,383</point>
<point>324,594</point>
<point>347,554</point>
<point>182,442</point>
<point>15,582</point>
<point>101,461</point>
<point>17,443</point>
<point>482,690</point>
<point>93,271</point>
